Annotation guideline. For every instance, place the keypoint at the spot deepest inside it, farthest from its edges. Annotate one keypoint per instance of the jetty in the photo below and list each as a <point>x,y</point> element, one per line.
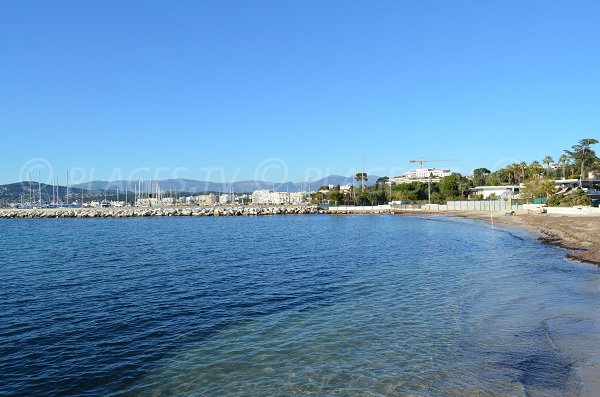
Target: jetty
<point>134,212</point>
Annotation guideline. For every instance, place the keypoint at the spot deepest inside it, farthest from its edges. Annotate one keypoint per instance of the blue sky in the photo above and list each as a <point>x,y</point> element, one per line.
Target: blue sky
<point>233,90</point>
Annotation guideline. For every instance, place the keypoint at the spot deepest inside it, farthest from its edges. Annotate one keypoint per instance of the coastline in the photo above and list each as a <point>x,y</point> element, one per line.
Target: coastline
<point>579,234</point>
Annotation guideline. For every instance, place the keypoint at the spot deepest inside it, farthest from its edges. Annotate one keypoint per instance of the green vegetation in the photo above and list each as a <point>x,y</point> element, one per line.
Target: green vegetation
<point>572,164</point>
<point>575,197</point>
<point>538,178</point>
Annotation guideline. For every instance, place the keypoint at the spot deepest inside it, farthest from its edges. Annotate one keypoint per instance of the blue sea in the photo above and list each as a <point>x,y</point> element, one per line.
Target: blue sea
<point>306,305</point>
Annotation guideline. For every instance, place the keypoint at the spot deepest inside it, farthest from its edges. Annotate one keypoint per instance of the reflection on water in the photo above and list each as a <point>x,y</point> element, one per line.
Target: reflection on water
<point>314,305</point>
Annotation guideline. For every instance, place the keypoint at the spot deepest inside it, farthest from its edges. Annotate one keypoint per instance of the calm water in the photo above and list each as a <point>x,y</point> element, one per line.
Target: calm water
<point>289,306</point>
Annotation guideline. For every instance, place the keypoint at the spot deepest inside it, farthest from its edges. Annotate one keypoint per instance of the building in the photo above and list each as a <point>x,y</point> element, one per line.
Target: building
<point>155,202</point>
<point>297,198</point>
<point>590,186</point>
<point>261,196</point>
<point>277,198</point>
<point>500,192</point>
<point>420,175</point>
<point>425,173</point>
<point>206,199</point>
<point>594,175</point>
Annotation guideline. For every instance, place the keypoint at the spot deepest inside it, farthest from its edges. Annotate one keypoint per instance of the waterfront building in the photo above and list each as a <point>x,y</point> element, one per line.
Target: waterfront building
<point>261,196</point>
<point>590,186</point>
<point>155,202</point>
<point>225,199</point>
<point>500,192</point>
<point>206,199</point>
<point>277,198</point>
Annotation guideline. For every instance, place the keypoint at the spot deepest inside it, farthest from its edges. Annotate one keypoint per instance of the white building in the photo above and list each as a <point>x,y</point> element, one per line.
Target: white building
<point>424,173</point>
<point>206,199</point>
<point>225,199</point>
<point>261,197</point>
<point>501,192</point>
<point>297,198</point>
<point>277,198</point>
<point>155,202</point>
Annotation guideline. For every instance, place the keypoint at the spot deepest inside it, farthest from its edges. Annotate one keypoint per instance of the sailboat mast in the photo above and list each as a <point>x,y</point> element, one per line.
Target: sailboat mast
<point>30,190</point>
<point>67,188</point>
<point>40,188</point>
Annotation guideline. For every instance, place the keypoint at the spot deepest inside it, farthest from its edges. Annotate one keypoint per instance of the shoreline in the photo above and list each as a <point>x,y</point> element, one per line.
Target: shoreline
<point>580,234</point>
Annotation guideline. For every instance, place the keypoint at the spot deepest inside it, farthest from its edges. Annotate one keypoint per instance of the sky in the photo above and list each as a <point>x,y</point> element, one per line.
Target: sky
<point>290,91</point>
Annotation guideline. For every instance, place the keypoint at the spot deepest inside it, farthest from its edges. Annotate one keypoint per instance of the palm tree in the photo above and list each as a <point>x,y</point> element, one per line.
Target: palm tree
<point>522,165</point>
<point>563,159</point>
<point>548,187</point>
<point>535,169</point>
<point>548,160</point>
<point>512,168</point>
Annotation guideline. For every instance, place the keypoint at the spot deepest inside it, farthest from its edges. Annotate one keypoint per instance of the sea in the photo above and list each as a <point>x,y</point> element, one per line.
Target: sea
<point>298,305</point>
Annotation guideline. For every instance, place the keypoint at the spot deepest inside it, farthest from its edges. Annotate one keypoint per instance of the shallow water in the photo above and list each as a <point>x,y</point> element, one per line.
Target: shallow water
<point>289,305</point>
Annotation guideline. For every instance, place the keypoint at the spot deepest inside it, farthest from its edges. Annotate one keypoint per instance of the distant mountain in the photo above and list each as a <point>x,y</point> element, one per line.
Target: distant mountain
<point>194,186</point>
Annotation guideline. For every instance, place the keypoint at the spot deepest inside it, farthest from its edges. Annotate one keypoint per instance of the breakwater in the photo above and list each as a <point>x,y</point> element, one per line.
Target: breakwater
<point>143,212</point>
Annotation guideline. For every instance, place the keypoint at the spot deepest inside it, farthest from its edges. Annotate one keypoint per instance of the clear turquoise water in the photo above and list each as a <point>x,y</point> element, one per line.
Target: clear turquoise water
<point>289,306</point>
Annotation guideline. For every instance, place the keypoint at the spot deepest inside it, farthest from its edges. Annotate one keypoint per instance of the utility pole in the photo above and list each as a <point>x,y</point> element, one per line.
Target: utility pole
<point>362,177</point>
<point>429,188</point>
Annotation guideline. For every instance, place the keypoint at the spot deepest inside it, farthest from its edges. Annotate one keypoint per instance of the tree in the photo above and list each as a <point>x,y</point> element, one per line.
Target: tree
<point>463,187</point>
<point>574,197</point>
<point>548,160</point>
<point>362,178</point>
<point>538,188</point>
<point>582,154</point>
<point>480,176</point>
<point>448,186</point>
<point>336,196</point>
<point>381,181</point>
<point>564,160</point>
<point>522,167</point>
<point>515,169</point>
<point>534,169</point>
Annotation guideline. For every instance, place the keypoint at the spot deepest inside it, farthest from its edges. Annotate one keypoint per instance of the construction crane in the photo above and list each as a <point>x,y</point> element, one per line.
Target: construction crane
<point>428,161</point>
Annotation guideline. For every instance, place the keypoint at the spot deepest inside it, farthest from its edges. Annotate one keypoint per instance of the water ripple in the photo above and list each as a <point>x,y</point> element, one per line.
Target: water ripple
<point>315,305</point>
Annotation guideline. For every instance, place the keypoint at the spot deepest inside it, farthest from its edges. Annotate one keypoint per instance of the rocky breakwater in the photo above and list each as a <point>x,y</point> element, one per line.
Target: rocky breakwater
<point>142,212</point>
